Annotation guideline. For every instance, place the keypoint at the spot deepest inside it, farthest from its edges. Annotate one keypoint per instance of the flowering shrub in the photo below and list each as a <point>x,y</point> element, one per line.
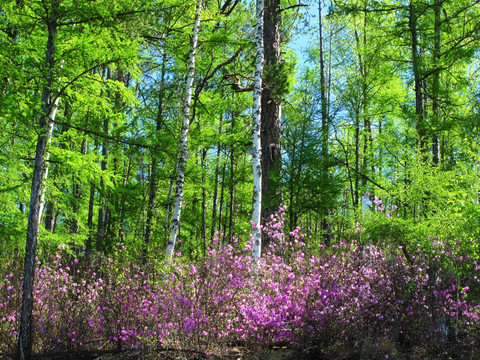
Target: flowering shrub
<point>344,296</point>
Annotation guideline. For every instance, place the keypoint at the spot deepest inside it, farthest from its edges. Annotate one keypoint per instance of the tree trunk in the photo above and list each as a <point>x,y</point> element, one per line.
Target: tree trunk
<point>325,123</point>
<point>204,202</point>
<point>436,83</point>
<point>215,191</point>
<point>232,183</point>
<point>153,167</point>
<point>257,145</point>
<point>25,338</point>
<point>103,209</point>
<point>51,121</point>
<point>271,111</point>
<point>419,114</point>
<point>220,213</point>
<point>182,164</point>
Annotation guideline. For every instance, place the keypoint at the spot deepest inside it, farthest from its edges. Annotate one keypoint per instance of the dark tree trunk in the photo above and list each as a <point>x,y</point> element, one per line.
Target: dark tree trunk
<point>220,215</point>
<point>271,111</point>
<point>50,217</point>
<point>153,167</point>
<point>325,125</point>
<point>215,191</point>
<point>232,184</point>
<point>103,210</point>
<point>204,202</point>
<point>416,60</point>
<point>436,83</point>
<point>25,338</point>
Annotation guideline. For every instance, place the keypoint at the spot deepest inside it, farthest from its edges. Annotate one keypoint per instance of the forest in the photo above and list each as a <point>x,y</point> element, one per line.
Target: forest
<point>228,179</point>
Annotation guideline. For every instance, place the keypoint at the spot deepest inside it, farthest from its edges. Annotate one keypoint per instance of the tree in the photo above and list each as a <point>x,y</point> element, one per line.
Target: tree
<point>25,339</point>
<point>183,145</point>
<point>274,83</point>
<point>257,146</point>
<point>52,16</point>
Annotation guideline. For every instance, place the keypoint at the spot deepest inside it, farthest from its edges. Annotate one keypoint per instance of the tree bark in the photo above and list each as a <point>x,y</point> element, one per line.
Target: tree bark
<point>103,209</point>
<point>182,164</point>
<point>204,201</point>
<point>419,113</point>
<point>436,82</point>
<point>257,143</point>
<point>271,111</point>
<point>215,191</point>
<point>325,122</point>
<point>232,184</point>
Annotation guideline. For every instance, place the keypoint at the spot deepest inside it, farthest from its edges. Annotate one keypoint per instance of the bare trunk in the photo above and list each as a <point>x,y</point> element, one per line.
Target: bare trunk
<point>204,203</point>
<point>153,167</point>
<point>168,204</point>
<point>232,184</point>
<point>215,191</point>
<point>184,138</point>
<point>103,210</point>
<point>51,121</point>
<point>257,145</point>
<point>271,111</point>
<point>50,217</point>
<point>412,22</point>
<point>436,83</point>
<point>325,121</point>
<point>222,192</point>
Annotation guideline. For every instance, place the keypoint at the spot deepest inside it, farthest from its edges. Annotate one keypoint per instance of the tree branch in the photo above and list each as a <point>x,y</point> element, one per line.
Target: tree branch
<point>292,7</point>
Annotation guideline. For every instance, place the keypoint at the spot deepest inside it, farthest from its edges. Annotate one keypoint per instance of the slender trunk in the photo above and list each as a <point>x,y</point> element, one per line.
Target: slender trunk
<point>168,204</point>
<point>126,179</point>
<point>412,22</point>
<point>257,145</point>
<point>232,184</point>
<point>325,123</point>
<point>204,203</point>
<point>88,247</point>
<point>102,211</point>
<point>25,338</point>
<point>357,160</point>
<point>153,167</point>
<point>51,121</point>
<point>215,191</point>
<point>184,137</point>
<point>77,192</point>
<point>436,82</point>
<point>222,192</point>
<point>271,111</point>
<point>50,217</point>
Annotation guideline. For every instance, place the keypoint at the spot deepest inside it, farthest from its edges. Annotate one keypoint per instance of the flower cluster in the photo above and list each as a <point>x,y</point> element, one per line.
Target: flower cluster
<point>331,297</point>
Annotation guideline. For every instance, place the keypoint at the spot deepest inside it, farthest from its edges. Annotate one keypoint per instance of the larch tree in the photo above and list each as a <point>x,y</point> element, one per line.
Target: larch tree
<point>271,109</point>
<point>25,337</point>
<point>51,17</point>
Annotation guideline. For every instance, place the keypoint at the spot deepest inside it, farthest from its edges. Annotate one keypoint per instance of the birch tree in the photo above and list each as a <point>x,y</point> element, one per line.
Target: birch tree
<point>51,120</point>
<point>257,148</point>
<point>183,144</point>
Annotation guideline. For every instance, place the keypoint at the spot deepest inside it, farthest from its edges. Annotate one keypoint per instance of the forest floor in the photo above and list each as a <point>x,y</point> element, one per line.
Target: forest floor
<point>448,352</point>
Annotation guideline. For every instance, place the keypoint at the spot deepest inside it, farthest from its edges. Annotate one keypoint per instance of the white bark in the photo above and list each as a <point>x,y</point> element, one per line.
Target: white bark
<point>51,121</point>
<point>183,145</point>
<point>257,148</point>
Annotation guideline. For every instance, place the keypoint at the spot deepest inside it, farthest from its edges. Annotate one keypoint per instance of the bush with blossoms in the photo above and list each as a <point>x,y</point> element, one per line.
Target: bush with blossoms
<point>336,299</point>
